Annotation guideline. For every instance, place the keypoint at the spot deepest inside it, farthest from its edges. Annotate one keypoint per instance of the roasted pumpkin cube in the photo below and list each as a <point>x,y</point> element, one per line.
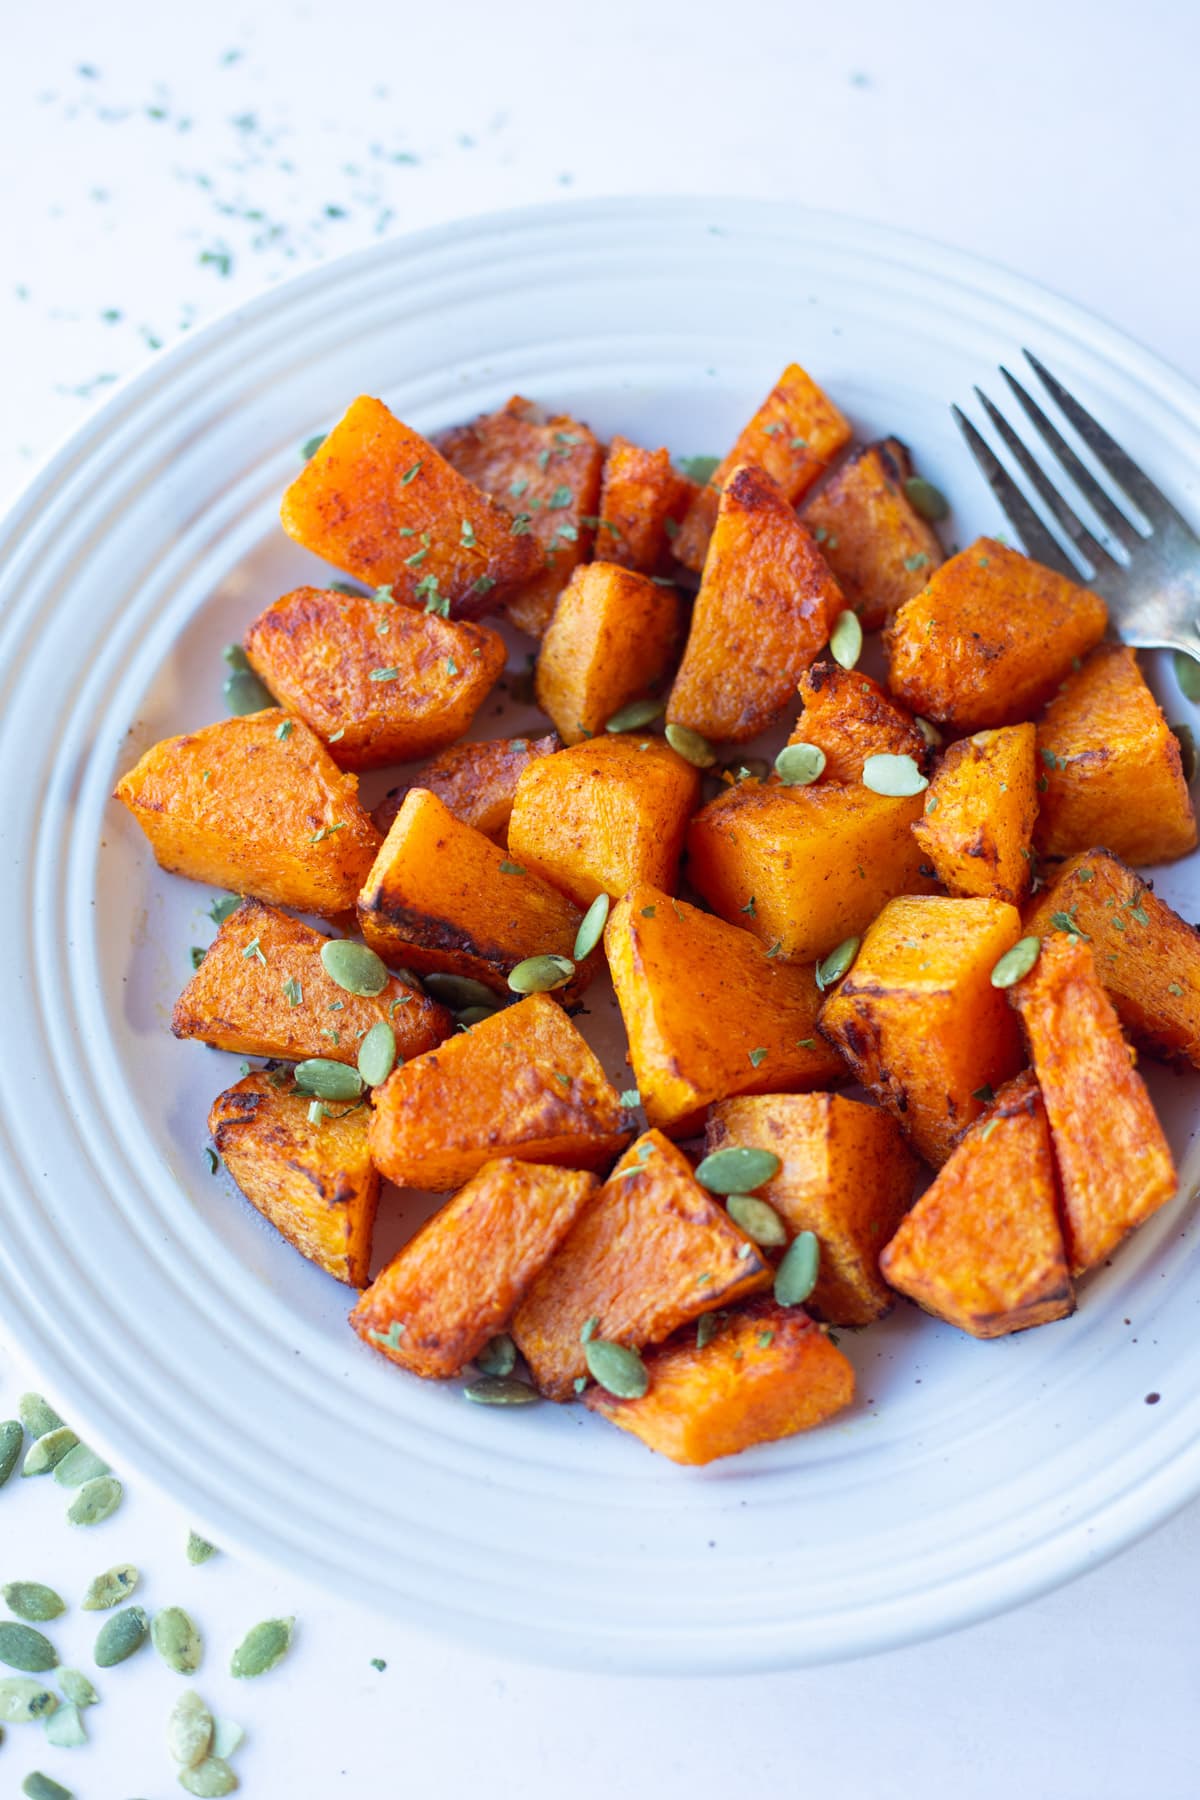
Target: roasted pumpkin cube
<point>804,868</point>
<point>380,683</point>
<point>1147,957</point>
<point>982,1248</point>
<point>604,815</point>
<point>523,1083</point>
<point>846,1174</point>
<point>613,637</point>
<point>980,807</point>
<point>651,1252</point>
<point>707,1012</point>
<point>879,547</point>
<point>306,1169</point>
<point>477,781</point>
<point>378,501</point>
<point>766,604</point>
<point>1114,1162</point>
<point>794,436</point>
<point>917,1017</point>
<point>849,717</point>
<point>767,1373</point>
<point>546,473</point>
<point>459,1280</point>
<point>642,500</point>
<point>258,805</point>
<point>990,638</point>
<point>441,896</point>
<point>1111,771</point>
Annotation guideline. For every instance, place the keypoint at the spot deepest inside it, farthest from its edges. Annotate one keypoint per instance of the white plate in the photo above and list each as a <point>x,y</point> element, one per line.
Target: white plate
<point>189,1339</point>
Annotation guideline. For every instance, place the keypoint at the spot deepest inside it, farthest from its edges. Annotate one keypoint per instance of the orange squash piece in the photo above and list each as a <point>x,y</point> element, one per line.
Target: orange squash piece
<point>613,638</point>
<point>459,1280</point>
<point>247,805</point>
<point>523,1083</point>
<point>768,1373</point>
<point>847,1175</point>
<point>917,1017</point>
<point>477,781</point>
<point>377,500</point>
<point>1111,767</point>
<point>1114,1162</point>
<point>980,808</point>
<point>982,1248</point>
<point>708,1013</point>
<point>642,500</point>
<point>990,638</point>
<point>880,549</point>
<point>652,1252</point>
<point>849,717</point>
<point>766,604</point>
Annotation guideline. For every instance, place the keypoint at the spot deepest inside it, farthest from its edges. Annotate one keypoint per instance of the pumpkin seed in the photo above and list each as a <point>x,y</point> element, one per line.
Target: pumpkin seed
<point>896,776</point>
<point>22,1700</point>
<point>500,1390</point>
<point>40,1787</point>
<point>96,1501</point>
<point>262,1647</point>
<point>64,1728</point>
<point>459,991</point>
<point>209,1779</point>
<point>120,1636</point>
<point>591,927</point>
<point>635,715</point>
<point>474,1015</point>
<point>757,1218</point>
<point>21,1647</point>
<point>1017,962</point>
<point>798,765</point>
<point>178,1642</point>
<point>846,639</point>
<point>31,1600</point>
<point>77,1688</point>
<point>750,768</point>
<point>245,693</point>
<point>189,1730</point>
<point>617,1369</point>
<point>839,962</point>
<point>377,1054</point>
<point>1187,751</point>
<point>37,1415</point>
<point>354,967</point>
<point>236,659</point>
<point>796,1276</point>
<point>737,1169</point>
<point>930,733</point>
<point>11,1439</point>
<point>116,1584</point>
<point>199,1549</point>
<point>498,1356</point>
<point>691,746</point>
<point>327,1080</point>
<point>925,499</point>
<point>227,1737</point>
<point>45,1453</point>
<point>1187,674</point>
<point>79,1465</point>
<point>541,974</point>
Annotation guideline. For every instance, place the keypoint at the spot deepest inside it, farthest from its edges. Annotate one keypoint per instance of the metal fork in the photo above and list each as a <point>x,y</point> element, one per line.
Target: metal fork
<point>1145,562</point>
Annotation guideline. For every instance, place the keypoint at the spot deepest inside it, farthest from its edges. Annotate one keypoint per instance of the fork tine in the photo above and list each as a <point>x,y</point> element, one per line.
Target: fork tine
<point>1121,527</point>
<point>1074,527</point>
<point>1025,522</point>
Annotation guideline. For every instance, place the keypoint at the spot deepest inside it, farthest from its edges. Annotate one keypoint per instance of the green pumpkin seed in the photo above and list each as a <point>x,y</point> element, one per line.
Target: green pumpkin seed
<point>1186,739</point>
<point>11,1439</point>
<point>459,991</point>
<point>22,1700</point>
<point>846,640</point>
<point>227,1737</point>
<point>79,1465</point>
<point>245,693</point>
<point>354,967</point>
<point>798,765</point>
<point>45,1453</point>
<point>96,1501</point>
<point>236,659</point>
<point>1187,674</point>
<point>326,1080</point>
<point>377,1054</point>
<point>262,1647</point>
<point>796,1276</point>
<point>21,1647</point>
<point>737,1169</point>
<point>896,776</point>
<point>541,974</point>
<point>31,1600</point>
<point>311,445</point>
<point>1017,962</point>
<point>120,1636</point>
<point>691,746</point>
<point>757,1218</point>
<point>930,733</point>
<point>498,1356</point>
<point>635,715</point>
<point>199,1549</point>
<point>830,970</point>
<point>64,1728</point>
<point>77,1688</point>
<point>591,927</point>
<point>925,499</point>
<point>189,1730</point>
<point>474,1015</point>
<point>178,1642</point>
<point>40,1787</point>
<point>500,1390</point>
<point>37,1415</point>
<point>619,1370</point>
<point>116,1584</point>
<point>210,1779</point>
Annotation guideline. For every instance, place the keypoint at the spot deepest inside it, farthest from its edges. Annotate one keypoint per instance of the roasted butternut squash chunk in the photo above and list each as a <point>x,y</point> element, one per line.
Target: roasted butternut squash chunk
<point>708,1013</point>
<point>312,1178</point>
<point>443,896</point>
<point>794,436</point>
<point>982,1248</point>
<point>651,1252</point>
<point>247,805</point>
<point>990,638</point>
<point>642,500</point>
<point>380,683</point>
<point>766,604</point>
<point>546,473</point>
<point>1147,957</point>
<point>459,1280</point>
<point>804,868</point>
<point>917,1017</point>
<point>847,1175</point>
<point>849,717</point>
<point>1113,1160</point>
<point>768,1373</point>
<point>881,551</point>
<point>476,781</point>
<point>1111,771</point>
<point>378,501</point>
<point>980,808</point>
<point>613,637</point>
<point>262,990</point>
<point>523,1083</point>
<point>604,815</point>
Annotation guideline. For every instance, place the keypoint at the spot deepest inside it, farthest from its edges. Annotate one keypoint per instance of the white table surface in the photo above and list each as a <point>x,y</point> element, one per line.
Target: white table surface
<point>160,163</point>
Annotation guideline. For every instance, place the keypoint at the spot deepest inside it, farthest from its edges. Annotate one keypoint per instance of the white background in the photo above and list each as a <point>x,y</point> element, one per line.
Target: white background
<point>158,163</point>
